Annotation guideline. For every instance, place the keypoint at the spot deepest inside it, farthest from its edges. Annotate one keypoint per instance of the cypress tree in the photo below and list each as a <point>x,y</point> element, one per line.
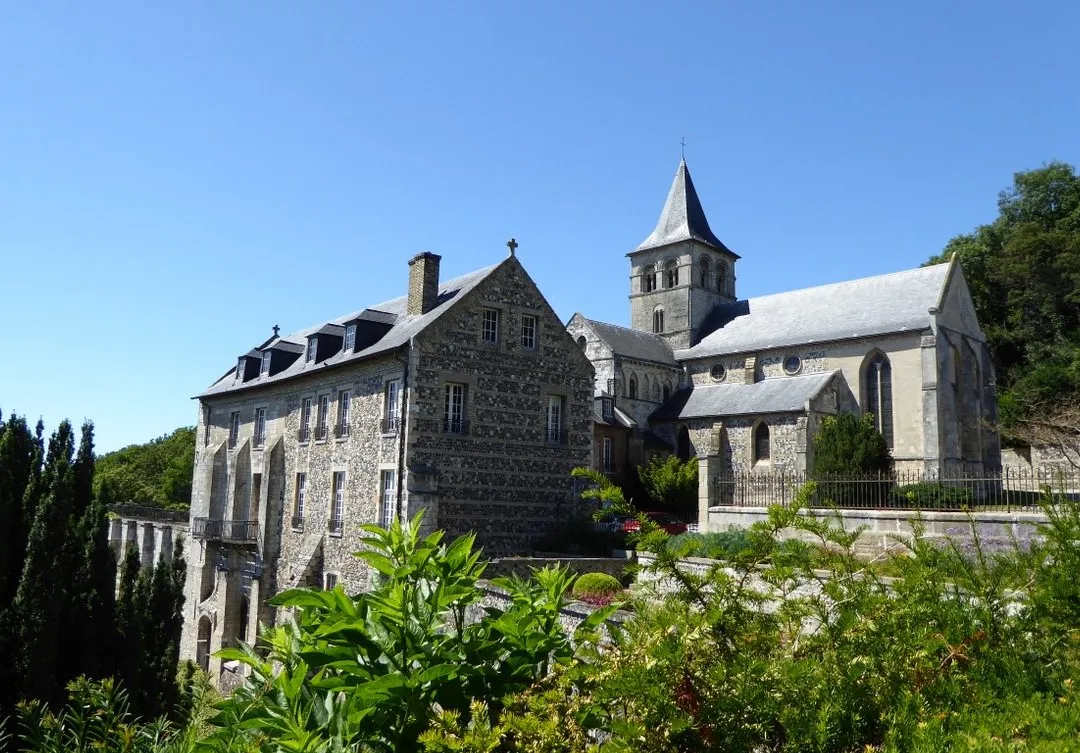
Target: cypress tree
<point>164,600</point>
<point>128,649</point>
<point>17,458</point>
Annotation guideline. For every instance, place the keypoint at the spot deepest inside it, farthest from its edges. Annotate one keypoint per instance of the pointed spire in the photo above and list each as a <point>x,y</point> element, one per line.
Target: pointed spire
<point>683,219</point>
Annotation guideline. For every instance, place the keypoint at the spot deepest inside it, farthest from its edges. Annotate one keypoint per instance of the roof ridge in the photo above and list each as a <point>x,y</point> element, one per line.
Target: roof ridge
<point>628,329</point>
<point>846,282</point>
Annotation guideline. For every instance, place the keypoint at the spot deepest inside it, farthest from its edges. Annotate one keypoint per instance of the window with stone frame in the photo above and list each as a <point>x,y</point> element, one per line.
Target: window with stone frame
<point>312,344</point>
<point>299,501</point>
<point>388,498</point>
<point>555,419</point>
<point>491,326</point>
<point>337,504</point>
<point>878,391</point>
<point>240,368</point>
<point>607,408</point>
<point>305,419</point>
<point>321,417</point>
<point>721,277</point>
<point>259,435</point>
<point>330,581</point>
<point>341,430</point>
<point>391,406</point>
<point>206,425</point>
<point>632,388</point>
<point>671,274</point>
<point>762,443</point>
<point>648,279</point>
<point>266,356</point>
<point>658,320</point>
<point>234,428</point>
<point>667,392</point>
<point>607,458</point>
<point>705,273</point>
<point>454,416</point>
<point>528,332</point>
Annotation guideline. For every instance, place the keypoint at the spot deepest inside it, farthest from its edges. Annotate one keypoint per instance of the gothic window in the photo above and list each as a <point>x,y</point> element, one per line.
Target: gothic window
<point>648,279</point>
<point>878,393</point>
<point>581,342</point>
<point>671,274</point>
<point>658,320</point>
<point>656,391</point>
<point>762,447</point>
<point>705,272</point>
<point>721,277</point>
<point>633,386</point>
<point>667,392</point>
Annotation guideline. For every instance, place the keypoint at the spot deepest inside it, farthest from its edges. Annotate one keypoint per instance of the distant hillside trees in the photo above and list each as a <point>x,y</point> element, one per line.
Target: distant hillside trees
<point>155,474</point>
<point>1024,273</point>
<point>60,617</point>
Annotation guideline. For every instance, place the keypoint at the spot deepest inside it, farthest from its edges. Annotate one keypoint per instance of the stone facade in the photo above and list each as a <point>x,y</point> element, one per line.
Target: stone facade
<point>288,469</point>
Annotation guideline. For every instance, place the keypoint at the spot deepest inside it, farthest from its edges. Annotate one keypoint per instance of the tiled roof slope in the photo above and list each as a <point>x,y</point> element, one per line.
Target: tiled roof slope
<point>393,311</point>
<point>632,343</point>
<point>898,302</point>
<point>683,219</point>
<point>780,395</point>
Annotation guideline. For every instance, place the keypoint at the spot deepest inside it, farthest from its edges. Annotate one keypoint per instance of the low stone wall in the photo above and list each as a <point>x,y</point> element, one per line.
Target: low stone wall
<point>997,531</point>
<point>523,566</point>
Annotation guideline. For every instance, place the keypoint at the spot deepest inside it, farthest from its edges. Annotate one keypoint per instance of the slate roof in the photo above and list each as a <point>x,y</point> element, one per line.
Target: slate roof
<point>404,327</point>
<point>632,343</point>
<point>683,218</point>
<point>779,395</point>
<point>897,302</point>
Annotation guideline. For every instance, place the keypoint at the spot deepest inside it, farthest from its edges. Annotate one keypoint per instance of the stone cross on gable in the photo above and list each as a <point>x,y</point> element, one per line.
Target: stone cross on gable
<point>276,330</point>
<point>512,244</point>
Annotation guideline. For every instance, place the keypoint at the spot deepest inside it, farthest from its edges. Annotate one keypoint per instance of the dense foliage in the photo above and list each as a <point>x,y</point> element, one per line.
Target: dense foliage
<point>60,616</point>
<point>155,474</point>
<point>1024,273</point>
<point>849,445</point>
<point>670,483</point>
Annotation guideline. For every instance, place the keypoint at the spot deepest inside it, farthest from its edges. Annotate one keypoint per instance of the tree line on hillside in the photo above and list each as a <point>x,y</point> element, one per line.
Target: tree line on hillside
<point>61,614</point>
<point>155,474</point>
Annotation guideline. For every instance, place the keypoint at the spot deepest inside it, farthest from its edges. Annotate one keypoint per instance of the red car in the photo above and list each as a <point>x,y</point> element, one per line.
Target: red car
<point>667,521</point>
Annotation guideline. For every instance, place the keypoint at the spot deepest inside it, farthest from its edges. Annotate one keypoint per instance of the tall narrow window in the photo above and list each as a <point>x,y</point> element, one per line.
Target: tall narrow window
<point>388,500</point>
<point>554,418</point>
<point>528,332</point>
<point>350,338</point>
<point>337,504</point>
<point>206,425</point>
<point>330,581</point>
<point>633,387</point>
<point>667,391</point>
<point>240,368</point>
<point>341,430</point>
<point>705,272</point>
<point>762,447</point>
<point>658,320</point>
<point>391,406</point>
<point>671,274</point>
<point>305,419</point>
<point>312,344</point>
<point>648,279</point>
<point>260,427</point>
<point>266,362</point>
<point>455,408</point>
<point>879,395</point>
<point>299,501</point>
<point>491,325</point>
<point>234,428</point>
<point>607,459</point>
<point>721,277</point>
<point>320,418</point>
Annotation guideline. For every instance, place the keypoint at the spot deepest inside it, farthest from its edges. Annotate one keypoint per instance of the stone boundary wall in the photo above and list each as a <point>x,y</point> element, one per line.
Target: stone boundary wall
<point>997,531</point>
<point>571,615</point>
<point>524,566</point>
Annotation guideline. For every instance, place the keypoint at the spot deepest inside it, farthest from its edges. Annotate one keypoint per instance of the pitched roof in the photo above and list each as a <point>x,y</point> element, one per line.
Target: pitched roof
<point>404,327</point>
<point>632,343</point>
<point>897,302</point>
<point>683,219</point>
<point>779,395</point>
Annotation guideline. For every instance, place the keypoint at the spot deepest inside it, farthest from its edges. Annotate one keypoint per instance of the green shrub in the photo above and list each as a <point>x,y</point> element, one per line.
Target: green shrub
<point>847,445</point>
<point>720,545</point>
<point>928,494</point>
<point>592,585</point>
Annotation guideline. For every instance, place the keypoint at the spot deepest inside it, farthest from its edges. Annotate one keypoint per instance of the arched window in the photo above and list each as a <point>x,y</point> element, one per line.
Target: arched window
<point>878,391</point>
<point>705,272</point>
<point>633,386</point>
<point>721,277</point>
<point>762,447</point>
<point>202,646</point>
<point>648,279</point>
<point>656,390</point>
<point>581,342</point>
<point>671,274</point>
<point>658,320</point>
<point>667,392</point>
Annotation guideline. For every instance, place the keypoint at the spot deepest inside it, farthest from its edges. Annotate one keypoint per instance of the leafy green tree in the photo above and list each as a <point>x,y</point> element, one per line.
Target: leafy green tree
<point>849,445</point>
<point>670,482</point>
<point>1023,270</point>
<point>155,474</point>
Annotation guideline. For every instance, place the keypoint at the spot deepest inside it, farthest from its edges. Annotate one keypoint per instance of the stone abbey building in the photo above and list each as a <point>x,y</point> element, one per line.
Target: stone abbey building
<point>469,399</point>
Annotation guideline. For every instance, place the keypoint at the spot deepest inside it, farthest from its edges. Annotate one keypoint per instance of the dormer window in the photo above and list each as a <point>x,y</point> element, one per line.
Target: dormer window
<point>266,363</point>
<point>350,338</point>
<point>312,345</point>
<point>240,368</point>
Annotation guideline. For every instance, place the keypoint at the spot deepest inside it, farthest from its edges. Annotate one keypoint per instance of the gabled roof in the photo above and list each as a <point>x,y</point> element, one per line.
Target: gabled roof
<point>632,343</point>
<point>683,219</point>
<point>404,327</point>
<point>779,395</point>
<point>897,302</point>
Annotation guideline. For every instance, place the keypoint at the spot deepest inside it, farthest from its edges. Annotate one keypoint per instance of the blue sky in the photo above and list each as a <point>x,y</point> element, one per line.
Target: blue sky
<point>177,178</point>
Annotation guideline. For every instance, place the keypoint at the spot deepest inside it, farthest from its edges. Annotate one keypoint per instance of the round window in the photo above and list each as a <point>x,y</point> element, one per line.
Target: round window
<point>718,372</point>
<point>792,365</point>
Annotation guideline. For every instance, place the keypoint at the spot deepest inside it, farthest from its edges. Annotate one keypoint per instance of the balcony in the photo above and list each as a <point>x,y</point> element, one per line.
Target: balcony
<point>298,522</point>
<point>229,531</point>
<point>304,434</point>
<point>341,431</point>
<point>320,432</point>
<point>336,526</point>
<point>456,426</point>
<point>391,425</point>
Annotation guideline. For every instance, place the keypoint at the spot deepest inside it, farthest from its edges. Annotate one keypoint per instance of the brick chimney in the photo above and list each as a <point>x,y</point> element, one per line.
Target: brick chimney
<point>423,283</point>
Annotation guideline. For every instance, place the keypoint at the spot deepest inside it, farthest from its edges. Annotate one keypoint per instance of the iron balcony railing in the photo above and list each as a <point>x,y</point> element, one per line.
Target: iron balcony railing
<point>1009,490</point>
<point>236,531</point>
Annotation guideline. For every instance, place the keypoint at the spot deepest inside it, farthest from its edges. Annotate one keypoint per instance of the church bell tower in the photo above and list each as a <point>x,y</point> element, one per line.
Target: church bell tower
<point>682,271</point>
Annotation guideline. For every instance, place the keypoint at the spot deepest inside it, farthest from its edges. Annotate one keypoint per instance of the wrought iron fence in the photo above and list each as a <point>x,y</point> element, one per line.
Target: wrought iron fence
<point>240,531</point>
<point>1010,490</point>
